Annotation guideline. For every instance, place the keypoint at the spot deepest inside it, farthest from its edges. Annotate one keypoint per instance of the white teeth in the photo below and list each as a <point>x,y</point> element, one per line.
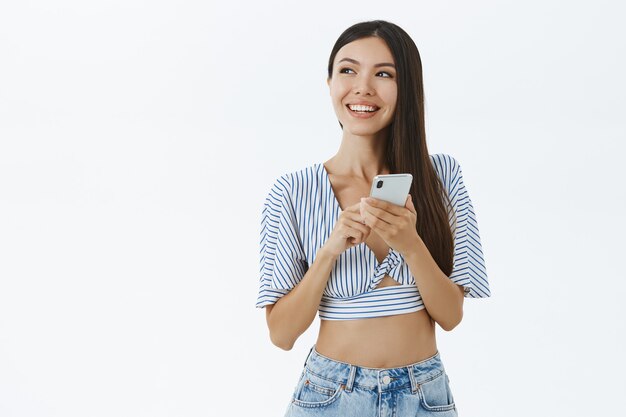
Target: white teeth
<point>358,107</point>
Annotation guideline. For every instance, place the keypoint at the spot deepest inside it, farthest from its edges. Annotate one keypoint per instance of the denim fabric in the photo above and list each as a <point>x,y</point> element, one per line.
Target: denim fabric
<point>332,388</point>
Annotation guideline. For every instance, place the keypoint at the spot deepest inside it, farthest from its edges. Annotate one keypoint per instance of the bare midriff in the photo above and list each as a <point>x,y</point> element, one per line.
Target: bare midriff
<point>379,342</point>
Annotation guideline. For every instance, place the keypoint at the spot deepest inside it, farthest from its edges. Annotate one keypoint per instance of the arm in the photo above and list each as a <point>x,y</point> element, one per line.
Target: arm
<point>442,298</point>
<point>293,313</point>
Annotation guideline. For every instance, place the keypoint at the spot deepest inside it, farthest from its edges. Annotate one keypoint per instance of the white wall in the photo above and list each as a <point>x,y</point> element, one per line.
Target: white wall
<point>138,140</point>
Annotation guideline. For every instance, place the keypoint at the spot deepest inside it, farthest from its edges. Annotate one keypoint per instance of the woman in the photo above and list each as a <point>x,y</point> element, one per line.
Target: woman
<point>326,249</point>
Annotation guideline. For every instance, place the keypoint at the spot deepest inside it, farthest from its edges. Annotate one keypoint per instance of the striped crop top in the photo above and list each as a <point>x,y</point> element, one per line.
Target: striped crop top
<point>299,214</point>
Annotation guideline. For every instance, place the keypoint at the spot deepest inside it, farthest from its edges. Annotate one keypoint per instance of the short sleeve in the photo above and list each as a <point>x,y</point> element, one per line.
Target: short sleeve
<point>469,264</point>
<point>283,261</point>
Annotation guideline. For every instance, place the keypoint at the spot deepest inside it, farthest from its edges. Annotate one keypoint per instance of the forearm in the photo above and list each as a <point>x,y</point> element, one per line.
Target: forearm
<point>293,313</point>
<point>441,297</point>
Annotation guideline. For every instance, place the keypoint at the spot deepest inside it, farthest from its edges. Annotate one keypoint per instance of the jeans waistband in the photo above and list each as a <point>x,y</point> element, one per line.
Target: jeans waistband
<point>375,379</point>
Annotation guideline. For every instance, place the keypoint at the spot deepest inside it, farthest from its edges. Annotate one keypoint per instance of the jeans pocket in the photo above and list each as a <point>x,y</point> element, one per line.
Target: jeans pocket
<point>435,394</point>
<point>316,391</point>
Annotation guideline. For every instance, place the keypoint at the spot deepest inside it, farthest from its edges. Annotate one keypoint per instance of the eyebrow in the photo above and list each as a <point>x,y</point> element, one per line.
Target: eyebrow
<point>382,64</point>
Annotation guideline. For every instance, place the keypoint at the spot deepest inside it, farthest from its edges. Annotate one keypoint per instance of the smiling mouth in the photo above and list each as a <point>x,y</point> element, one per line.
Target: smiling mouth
<point>361,109</point>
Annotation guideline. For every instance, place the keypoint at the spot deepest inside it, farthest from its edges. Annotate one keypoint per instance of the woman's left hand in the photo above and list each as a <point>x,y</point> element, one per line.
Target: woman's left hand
<point>394,224</point>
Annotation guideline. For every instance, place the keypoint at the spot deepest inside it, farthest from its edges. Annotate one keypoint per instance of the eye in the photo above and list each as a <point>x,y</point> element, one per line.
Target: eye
<point>342,71</point>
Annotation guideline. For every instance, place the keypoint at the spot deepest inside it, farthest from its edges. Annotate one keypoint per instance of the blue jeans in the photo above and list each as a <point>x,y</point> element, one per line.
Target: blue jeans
<point>328,387</point>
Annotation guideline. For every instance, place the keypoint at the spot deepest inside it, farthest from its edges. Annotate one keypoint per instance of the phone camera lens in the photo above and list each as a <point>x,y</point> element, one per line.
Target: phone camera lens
<point>379,184</point>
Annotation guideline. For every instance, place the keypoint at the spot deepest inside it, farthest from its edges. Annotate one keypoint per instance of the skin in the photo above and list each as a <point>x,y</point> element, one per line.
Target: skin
<point>391,341</point>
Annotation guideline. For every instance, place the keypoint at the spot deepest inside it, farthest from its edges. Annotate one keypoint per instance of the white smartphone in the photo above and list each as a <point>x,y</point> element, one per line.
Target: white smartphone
<point>392,188</point>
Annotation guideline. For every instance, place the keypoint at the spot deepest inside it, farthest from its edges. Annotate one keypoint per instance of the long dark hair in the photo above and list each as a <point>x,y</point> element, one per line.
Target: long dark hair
<point>406,149</point>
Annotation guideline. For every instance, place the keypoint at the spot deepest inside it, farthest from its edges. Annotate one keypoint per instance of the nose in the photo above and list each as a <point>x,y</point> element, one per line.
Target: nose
<point>362,86</point>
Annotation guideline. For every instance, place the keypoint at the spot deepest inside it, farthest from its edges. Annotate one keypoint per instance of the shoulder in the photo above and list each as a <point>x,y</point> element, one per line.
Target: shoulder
<point>446,166</point>
<point>294,182</point>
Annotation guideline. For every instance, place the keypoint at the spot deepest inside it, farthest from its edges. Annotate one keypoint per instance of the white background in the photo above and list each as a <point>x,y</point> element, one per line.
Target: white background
<point>138,140</point>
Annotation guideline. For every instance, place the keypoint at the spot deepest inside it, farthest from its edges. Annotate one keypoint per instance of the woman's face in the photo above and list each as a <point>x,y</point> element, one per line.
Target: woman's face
<point>364,72</point>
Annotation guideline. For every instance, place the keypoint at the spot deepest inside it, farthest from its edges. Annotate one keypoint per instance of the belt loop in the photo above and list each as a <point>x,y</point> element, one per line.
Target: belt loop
<point>307,356</point>
<point>414,383</point>
<point>351,378</point>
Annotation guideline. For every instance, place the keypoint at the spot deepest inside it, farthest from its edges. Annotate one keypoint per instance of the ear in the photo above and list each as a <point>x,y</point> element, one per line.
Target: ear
<point>328,81</point>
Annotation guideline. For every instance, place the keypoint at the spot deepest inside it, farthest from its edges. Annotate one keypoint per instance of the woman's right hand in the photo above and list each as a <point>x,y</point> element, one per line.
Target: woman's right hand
<point>349,231</point>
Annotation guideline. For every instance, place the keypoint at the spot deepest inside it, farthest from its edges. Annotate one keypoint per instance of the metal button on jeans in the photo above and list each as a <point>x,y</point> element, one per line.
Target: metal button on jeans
<point>386,379</point>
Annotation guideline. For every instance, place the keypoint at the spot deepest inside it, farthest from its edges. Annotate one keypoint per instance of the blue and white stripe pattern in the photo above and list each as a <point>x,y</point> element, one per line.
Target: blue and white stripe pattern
<point>299,214</point>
